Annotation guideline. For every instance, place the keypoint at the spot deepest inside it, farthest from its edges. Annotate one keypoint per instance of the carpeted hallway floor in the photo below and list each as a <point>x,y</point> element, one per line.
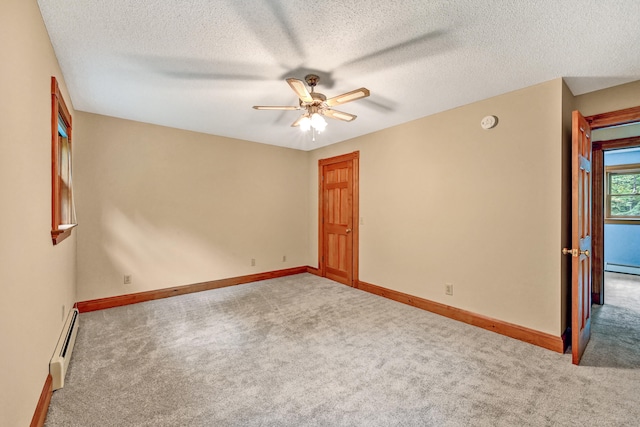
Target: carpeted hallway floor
<point>306,351</point>
<point>615,334</point>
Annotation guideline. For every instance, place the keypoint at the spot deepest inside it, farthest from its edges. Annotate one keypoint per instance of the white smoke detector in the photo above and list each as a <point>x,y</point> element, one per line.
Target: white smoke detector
<point>489,122</point>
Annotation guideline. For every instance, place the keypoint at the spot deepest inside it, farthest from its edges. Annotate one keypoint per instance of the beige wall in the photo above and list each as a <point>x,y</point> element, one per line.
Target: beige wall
<point>173,207</point>
<point>36,278</point>
<point>444,201</point>
<point>441,199</point>
<point>612,99</point>
<point>617,132</point>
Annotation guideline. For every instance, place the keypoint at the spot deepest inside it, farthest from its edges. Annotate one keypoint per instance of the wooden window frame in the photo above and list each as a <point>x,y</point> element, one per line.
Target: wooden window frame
<point>608,219</point>
<point>59,110</point>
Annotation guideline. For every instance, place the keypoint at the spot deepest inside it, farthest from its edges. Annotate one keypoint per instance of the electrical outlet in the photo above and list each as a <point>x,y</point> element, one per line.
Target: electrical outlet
<point>253,262</point>
<point>448,288</point>
<point>127,279</point>
<point>284,258</point>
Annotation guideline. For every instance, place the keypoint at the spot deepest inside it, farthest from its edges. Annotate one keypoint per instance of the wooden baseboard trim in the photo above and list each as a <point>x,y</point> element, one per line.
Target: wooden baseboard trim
<point>313,270</point>
<point>120,300</point>
<point>521,333</point>
<point>40,415</point>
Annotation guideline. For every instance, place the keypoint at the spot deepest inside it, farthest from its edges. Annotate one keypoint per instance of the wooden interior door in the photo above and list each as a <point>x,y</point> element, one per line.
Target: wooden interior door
<point>338,218</point>
<point>581,217</point>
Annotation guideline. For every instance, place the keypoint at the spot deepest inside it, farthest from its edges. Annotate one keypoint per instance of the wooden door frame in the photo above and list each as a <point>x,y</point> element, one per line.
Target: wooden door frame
<point>599,121</point>
<point>355,159</point>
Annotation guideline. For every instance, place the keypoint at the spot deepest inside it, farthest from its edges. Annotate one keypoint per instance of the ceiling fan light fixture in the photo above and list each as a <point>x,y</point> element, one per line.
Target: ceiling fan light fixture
<point>305,124</point>
<point>318,122</point>
<point>316,105</point>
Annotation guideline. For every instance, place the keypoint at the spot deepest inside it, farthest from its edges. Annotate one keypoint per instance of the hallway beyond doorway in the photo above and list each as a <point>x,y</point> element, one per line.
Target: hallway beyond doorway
<point>615,339</point>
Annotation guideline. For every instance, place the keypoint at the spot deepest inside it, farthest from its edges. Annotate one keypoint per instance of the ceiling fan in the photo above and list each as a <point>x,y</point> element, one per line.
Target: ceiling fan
<point>316,104</point>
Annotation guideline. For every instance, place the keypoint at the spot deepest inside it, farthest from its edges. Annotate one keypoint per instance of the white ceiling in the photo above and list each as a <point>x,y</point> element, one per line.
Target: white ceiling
<point>202,64</point>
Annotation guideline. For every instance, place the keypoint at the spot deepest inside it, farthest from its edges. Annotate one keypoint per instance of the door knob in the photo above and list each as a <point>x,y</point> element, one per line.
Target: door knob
<point>348,230</point>
<point>575,252</point>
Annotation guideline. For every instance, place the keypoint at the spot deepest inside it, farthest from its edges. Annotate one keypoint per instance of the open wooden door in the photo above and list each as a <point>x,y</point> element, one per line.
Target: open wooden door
<point>338,239</point>
<point>581,217</point>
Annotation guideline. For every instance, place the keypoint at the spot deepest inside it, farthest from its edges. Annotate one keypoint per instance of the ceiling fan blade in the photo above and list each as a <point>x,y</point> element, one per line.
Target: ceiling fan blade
<point>363,92</point>
<point>300,89</point>
<point>274,107</point>
<point>339,115</point>
<point>298,120</point>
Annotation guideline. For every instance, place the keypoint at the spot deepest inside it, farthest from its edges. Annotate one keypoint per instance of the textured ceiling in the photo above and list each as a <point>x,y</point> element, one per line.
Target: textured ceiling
<point>202,64</point>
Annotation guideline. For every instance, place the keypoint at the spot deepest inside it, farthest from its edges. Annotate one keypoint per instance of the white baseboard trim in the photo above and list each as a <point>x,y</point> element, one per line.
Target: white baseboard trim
<point>622,268</point>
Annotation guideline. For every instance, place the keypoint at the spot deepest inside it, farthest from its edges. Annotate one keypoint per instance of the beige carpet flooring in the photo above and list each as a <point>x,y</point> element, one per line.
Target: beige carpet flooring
<point>615,334</point>
<point>306,351</point>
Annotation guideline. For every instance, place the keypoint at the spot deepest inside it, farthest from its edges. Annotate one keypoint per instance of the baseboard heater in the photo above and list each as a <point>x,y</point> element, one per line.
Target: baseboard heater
<point>622,268</point>
<point>62,355</point>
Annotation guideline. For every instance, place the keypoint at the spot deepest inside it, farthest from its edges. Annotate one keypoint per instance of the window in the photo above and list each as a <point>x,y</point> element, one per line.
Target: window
<point>622,193</point>
<point>63,213</point>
